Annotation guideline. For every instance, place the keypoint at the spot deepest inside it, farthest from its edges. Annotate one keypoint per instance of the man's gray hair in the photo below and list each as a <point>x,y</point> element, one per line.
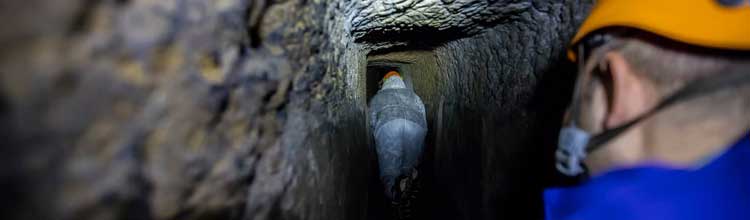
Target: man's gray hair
<point>671,65</point>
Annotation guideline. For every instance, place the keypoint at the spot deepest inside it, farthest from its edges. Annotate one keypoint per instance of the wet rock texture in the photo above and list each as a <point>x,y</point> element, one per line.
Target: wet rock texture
<point>399,17</point>
<point>244,109</point>
<point>172,109</point>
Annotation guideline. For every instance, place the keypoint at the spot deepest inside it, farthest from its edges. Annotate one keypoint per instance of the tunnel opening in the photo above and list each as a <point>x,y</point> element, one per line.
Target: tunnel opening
<point>490,129</point>
<point>419,69</point>
<point>375,73</point>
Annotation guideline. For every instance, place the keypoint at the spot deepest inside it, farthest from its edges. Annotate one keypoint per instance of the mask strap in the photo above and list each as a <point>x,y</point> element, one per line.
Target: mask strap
<point>574,108</point>
<point>579,87</point>
<point>691,91</point>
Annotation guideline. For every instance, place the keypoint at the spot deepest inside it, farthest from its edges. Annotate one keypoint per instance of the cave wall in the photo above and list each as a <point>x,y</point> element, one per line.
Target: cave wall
<point>176,109</point>
<point>255,109</point>
<point>504,98</point>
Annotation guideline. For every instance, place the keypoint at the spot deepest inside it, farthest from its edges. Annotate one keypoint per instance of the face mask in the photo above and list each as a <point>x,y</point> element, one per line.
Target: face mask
<point>574,143</point>
<point>571,150</point>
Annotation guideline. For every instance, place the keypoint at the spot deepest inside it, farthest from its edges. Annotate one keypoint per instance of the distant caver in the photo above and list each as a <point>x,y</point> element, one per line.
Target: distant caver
<point>399,126</point>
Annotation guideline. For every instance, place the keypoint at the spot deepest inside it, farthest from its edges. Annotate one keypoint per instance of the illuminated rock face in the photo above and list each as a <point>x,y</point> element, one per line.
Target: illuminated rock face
<point>461,16</point>
<point>255,109</point>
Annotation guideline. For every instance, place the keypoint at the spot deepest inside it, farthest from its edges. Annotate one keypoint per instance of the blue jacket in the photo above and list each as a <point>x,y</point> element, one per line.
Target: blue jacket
<point>718,190</point>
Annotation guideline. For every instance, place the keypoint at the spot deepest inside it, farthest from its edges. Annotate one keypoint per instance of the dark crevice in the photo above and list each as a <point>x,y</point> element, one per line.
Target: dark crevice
<point>254,17</point>
<point>413,38</point>
<point>223,96</point>
<point>67,82</point>
<point>122,2</point>
<point>81,21</point>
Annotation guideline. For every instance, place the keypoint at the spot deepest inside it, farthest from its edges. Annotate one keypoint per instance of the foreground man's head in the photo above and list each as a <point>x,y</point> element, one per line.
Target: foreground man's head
<point>659,116</point>
<point>634,55</point>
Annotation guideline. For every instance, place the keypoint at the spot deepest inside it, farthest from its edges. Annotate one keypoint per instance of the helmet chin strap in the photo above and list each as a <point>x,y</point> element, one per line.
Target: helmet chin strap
<point>575,143</point>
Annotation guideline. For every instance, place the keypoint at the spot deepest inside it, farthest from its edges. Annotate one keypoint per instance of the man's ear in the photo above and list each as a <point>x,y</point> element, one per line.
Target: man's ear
<point>626,91</point>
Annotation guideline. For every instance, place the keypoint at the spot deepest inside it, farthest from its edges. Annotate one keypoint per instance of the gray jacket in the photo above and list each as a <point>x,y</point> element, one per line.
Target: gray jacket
<point>399,125</point>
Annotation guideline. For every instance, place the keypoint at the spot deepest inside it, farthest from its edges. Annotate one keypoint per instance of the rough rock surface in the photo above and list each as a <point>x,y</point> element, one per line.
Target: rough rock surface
<point>251,109</point>
<point>395,17</point>
<point>170,109</point>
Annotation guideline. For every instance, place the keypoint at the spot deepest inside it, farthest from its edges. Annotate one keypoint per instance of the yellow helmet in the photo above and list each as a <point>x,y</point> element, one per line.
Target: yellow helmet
<point>723,24</point>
